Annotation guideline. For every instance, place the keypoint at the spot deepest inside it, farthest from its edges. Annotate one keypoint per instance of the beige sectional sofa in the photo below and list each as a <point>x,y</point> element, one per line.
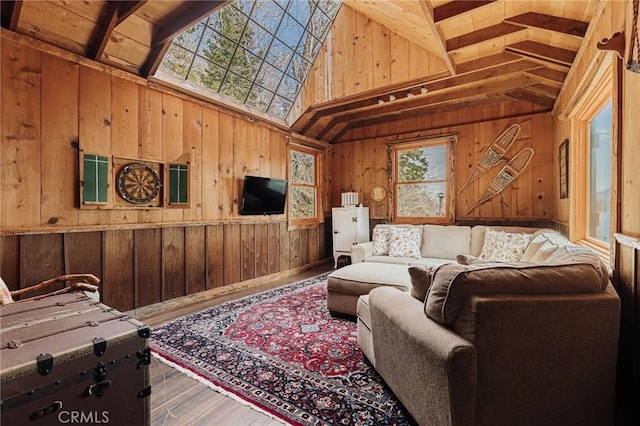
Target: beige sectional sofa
<point>439,244</point>
<point>485,342</point>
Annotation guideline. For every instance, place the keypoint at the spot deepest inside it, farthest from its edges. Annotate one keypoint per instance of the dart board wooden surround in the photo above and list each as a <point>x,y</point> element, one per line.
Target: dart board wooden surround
<point>138,183</point>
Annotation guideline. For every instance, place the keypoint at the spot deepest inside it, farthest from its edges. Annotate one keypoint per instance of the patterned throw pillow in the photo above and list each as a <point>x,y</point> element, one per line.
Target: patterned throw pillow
<point>405,242</point>
<point>381,241</point>
<point>502,246</point>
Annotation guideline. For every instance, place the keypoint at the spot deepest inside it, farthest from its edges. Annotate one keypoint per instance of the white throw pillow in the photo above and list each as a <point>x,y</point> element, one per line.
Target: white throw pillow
<point>381,240</point>
<point>405,242</point>
<point>502,246</point>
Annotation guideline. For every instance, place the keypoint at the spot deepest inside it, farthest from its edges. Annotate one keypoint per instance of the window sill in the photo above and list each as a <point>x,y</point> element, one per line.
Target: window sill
<point>599,247</point>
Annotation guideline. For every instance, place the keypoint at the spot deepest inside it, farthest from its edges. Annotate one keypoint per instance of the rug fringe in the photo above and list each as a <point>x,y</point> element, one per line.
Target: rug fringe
<point>217,388</point>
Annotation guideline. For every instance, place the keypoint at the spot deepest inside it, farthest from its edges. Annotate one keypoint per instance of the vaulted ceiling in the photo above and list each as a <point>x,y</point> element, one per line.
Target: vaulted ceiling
<point>494,51</point>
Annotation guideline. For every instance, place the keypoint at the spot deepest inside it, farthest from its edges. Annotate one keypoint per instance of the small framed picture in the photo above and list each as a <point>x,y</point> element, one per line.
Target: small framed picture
<point>563,164</point>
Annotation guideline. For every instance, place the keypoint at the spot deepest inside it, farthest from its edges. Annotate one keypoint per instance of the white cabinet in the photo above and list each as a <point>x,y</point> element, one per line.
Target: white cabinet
<point>350,226</point>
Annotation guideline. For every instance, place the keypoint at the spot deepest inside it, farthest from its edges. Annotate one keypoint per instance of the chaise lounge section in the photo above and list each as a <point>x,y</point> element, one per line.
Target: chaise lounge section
<point>493,343</point>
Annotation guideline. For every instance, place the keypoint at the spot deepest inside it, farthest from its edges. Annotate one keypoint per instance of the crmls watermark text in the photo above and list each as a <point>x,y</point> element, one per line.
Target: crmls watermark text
<point>83,417</point>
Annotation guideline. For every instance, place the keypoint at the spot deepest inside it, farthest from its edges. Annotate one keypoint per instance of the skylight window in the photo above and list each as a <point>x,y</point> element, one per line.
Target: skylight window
<point>257,52</point>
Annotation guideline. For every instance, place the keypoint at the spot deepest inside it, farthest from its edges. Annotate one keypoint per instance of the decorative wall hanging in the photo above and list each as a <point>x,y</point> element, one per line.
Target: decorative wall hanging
<point>505,176</point>
<point>378,193</point>
<point>493,154</point>
<point>138,183</point>
<point>617,42</point>
<point>563,168</point>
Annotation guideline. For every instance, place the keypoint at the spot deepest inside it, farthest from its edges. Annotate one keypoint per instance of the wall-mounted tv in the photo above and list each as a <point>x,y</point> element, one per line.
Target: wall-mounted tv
<point>263,195</point>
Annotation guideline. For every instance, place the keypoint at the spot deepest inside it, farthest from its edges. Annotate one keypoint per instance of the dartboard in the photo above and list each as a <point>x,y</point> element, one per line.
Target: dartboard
<point>138,183</point>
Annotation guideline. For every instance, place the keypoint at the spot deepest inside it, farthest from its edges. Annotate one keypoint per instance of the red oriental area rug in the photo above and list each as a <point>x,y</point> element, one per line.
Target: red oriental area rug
<point>281,352</point>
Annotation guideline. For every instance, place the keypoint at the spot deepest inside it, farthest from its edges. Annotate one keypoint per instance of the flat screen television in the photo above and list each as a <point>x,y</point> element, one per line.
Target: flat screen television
<point>263,195</point>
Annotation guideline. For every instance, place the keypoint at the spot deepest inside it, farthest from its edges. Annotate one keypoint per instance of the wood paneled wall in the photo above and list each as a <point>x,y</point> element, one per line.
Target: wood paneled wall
<point>357,166</point>
<point>361,55</point>
<point>54,108</point>
<point>143,266</point>
<point>615,16</point>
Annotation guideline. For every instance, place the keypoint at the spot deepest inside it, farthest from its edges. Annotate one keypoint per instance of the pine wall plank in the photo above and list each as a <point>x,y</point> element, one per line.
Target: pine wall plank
<point>60,142</point>
<point>21,148</point>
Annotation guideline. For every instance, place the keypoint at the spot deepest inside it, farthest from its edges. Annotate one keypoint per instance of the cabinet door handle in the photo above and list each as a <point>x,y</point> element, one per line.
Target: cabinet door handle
<point>336,232</point>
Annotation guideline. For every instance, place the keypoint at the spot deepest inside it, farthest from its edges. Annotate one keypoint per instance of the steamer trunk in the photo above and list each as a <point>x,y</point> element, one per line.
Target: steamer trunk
<point>68,359</point>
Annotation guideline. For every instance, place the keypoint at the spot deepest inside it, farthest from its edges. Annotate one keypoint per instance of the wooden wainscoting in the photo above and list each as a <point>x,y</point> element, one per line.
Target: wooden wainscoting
<point>145,266</point>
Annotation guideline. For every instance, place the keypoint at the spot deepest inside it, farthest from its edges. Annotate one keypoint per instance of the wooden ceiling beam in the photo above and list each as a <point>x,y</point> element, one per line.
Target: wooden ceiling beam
<point>373,103</point>
<point>13,10</point>
<point>550,23</point>
<point>194,14</point>
<point>490,100</point>
<point>116,12</point>
<point>489,33</point>
<point>442,99</point>
<point>454,8</point>
<point>433,29</point>
<point>551,54</point>
<point>162,39</point>
<point>128,8</point>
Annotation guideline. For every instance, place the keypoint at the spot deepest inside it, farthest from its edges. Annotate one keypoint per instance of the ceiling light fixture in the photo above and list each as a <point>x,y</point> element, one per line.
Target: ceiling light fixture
<point>392,97</point>
<point>423,90</point>
<point>410,95</point>
<point>380,101</point>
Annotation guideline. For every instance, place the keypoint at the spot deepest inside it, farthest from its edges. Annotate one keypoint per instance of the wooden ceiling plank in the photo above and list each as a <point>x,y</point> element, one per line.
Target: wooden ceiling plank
<point>487,62</point>
<point>454,8</point>
<point>545,52</point>
<point>485,34</point>
<point>535,98</point>
<point>551,23</point>
<point>194,14</point>
<point>549,74</point>
<point>545,90</point>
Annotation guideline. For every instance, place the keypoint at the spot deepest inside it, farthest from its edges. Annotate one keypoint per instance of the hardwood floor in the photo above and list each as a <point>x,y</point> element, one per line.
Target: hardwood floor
<point>177,399</point>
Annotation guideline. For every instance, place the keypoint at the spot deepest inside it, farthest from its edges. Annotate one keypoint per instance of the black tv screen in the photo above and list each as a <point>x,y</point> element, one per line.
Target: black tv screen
<point>263,195</point>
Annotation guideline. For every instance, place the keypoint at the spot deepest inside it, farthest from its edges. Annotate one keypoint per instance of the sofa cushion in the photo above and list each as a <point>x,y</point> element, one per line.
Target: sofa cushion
<point>583,255</point>
<point>381,241</point>
<point>445,241</point>
<point>478,233</point>
<point>452,284</point>
<point>542,245</point>
<point>420,281</point>
<point>405,242</point>
<point>504,246</point>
